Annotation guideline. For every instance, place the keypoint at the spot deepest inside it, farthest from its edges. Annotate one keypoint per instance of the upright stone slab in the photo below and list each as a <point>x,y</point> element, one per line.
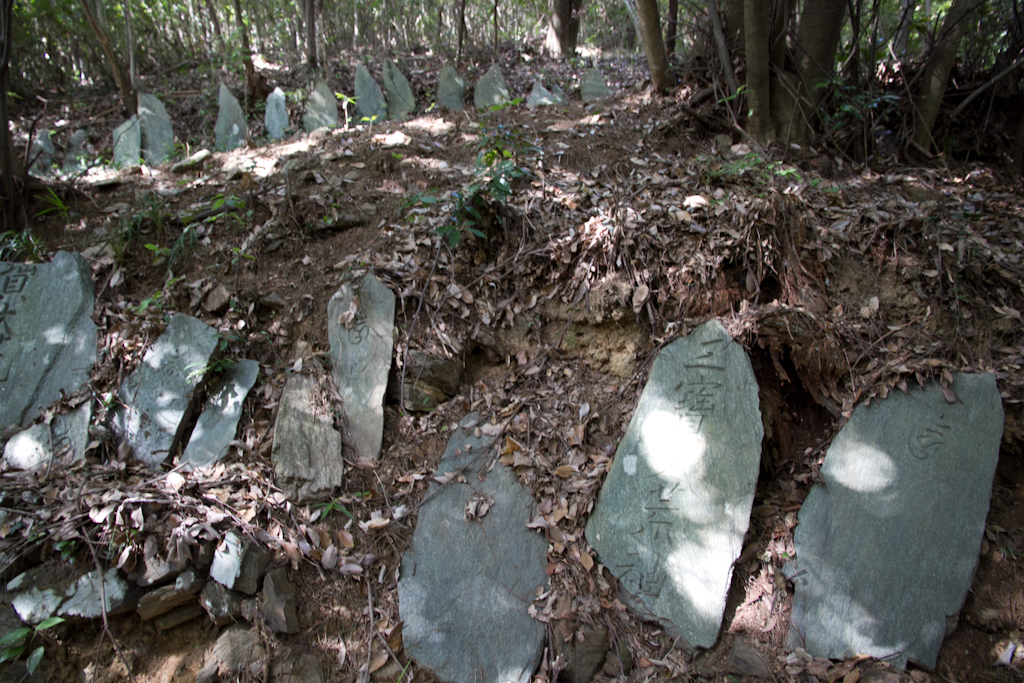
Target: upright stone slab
<point>451,89</point>
<point>360,327</point>
<point>216,427</point>
<point>43,152</point>
<point>670,518</point>
<point>593,87</point>
<point>370,104</point>
<point>157,130</point>
<point>275,120</point>
<point>230,128</point>
<point>401,102</point>
<point>47,337</point>
<point>128,143</point>
<point>467,581</point>
<point>307,451</point>
<point>158,398</point>
<point>490,90</point>
<point>541,96</point>
<point>321,108</point>
<point>77,158</point>
<point>886,550</point>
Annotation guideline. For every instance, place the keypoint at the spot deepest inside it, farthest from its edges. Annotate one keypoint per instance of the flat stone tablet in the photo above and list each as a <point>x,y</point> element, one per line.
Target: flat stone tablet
<point>321,108</point>
<point>451,89</point>
<point>886,550</point>
<point>230,128</point>
<point>593,87</point>
<point>157,130</point>
<point>307,453</point>
<point>360,328</point>
<point>47,337</point>
<point>216,427</point>
<point>128,143</point>
<point>370,106</point>
<point>491,90</point>
<point>471,572</point>
<point>157,400</point>
<point>670,518</point>
<point>275,119</point>
<point>401,102</point>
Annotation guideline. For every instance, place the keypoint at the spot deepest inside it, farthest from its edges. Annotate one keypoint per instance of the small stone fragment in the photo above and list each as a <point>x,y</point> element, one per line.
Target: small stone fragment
<point>223,606</point>
<point>192,162</point>
<point>307,451</point>
<point>278,607</point>
<point>216,427</point>
<point>179,616</point>
<point>583,660</point>
<point>593,87</point>
<point>237,652</point>
<point>239,563</point>
<point>746,660</point>
<point>297,668</point>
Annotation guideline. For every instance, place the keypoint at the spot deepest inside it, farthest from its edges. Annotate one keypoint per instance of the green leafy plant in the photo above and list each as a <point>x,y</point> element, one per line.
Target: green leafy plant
<point>20,246</point>
<point>334,506</point>
<point>345,102</point>
<point>55,205</point>
<point>16,642</point>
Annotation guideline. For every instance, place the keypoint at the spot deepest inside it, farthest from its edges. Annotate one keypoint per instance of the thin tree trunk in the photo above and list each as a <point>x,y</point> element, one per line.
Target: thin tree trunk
<point>495,30</point>
<point>654,44</point>
<point>6,144</point>
<point>127,93</point>
<point>723,49</point>
<point>129,40</point>
<point>671,26</point>
<point>462,29</point>
<point>902,37</point>
<point>309,10</point>
<point>936,71</point>
<point>757,39</point>
<point>634,16</point>
<point>563,27</point>
<point>257,90</point>
<point>216,26</point>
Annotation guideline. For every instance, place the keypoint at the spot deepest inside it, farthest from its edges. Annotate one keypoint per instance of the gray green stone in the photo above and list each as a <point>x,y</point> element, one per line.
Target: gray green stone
<point>128,143</point>
<point>47,336</point>
<point>886,549</point>
<point>216,427</point>
<point>157,401</point>
<point>230,128</point>
<point>157,130</point>
<point>541,96</point>
<point>401,102</point>
<point>370,104</point>
<point>491,90</point>
<point>467,583</point>
<point>43,152</point>
<point>360,328</point>
<point>321,108</point>
<point>451,89</point>
<point>593,87</point>
<point>670,518</point>
<point>307,451</point>
<point>275,120</point>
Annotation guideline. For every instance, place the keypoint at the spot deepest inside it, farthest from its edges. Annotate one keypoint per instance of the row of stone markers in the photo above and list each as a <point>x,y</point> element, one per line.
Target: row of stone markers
<point>149,134</point>
<point>885,550</point>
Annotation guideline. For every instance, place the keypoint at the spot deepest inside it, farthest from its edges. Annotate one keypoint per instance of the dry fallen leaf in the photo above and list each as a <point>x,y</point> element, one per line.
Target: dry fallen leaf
<point>565,471</point>
<point>345,539</point>
<point>330,558</point>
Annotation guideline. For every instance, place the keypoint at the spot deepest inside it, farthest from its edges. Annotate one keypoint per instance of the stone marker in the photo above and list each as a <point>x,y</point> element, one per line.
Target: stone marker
<point>886,551</point>
<point>239,563</point>
<point>490,90</point>
<point>467,582</point>
<point>321,108</point>
<point>401,102</point>
<point>128,143</point>
<point>307,450</point>
<point>77,158</point>
<point>230,128</point>
<point>36,446</point>
<point>216,427</point>
<point>671,515</point>
<point>541,96</point>
<point>370,104</point>
<point>43,152</point>
<point>276,118</point>
<point>39,594</point>
<point>47,337</point>
<point>360,328</point>
<point>157,400</point>
<point>157,130</point>
<point>451,89</point>
<point>593,87</point>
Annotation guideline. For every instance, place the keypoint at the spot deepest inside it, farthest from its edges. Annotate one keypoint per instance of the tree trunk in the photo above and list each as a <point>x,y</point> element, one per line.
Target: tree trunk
<point>495,30</point>
<point>563,27</point>
<point>216,25</point>
<point>936,71</point>
<point>817,40</point>
<point>654,45</point>
<point>723,49</point>
<point>127,94</point>
<point>634,16</point>
<point>257,90</point>
<point>671,26</point>
<point>129,39</point>
<point>902,37</point>
<point>757,40</point>
<point>309,14</point>
<point>6,144</point>
<point>462,29</point>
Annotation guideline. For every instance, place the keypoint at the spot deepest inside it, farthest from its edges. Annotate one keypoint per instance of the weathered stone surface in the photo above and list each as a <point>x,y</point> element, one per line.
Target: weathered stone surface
<point>157,399</point>
<point>466,583</point>
<point>179,616</point>
<point>47,337</point>
<point>451,89</point>
<point>429,381</point>
<point>36,594</point>
<point>321,108</point>
<point>42,153</point>
<point>593,87</point>
<point>583,659</point>
<point>275,120</point>
<point>887,549</point>
<point>239,563</point>
<point>43,593</point>
<point>360,328</point>
<point>746,660</point>
<point>67,435</point>
<point>76,159</point>
<point>156,569</point>
<point>230,128</point>
<point>237,651</point>
<point>161,601</point>
<point>670,518</point>
<point>223,606</point>
<point>278,605</point>
<point>216,427</point>
<point>192,162</point>
<point>401,102</point>
<point>491,90</point>
<point>217,299</point>
<point>541,96</point>
<point>297,668</point>
<point>307,451</point>
<point>370,104</point>
<point>128,143</point>
<point>157,130</point>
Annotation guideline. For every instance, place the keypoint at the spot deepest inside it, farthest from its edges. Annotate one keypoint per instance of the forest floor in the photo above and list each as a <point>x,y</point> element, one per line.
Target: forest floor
<point>635,223</point>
